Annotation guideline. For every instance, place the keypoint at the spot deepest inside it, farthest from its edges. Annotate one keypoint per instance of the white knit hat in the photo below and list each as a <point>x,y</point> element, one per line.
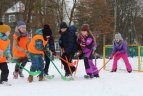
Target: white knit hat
<point>118,36</point>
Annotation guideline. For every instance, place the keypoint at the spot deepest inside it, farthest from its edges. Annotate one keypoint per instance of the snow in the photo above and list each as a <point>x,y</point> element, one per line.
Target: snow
<point>121,65</point>
<point>120,83</point>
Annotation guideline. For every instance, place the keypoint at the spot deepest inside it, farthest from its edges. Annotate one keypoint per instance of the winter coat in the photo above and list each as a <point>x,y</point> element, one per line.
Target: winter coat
<point>68,40</point>
<point>51,43</point>
<point>121,47</point>
<point>88,43</point>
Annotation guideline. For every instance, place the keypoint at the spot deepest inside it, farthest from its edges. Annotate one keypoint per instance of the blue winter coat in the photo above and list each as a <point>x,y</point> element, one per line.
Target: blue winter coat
<point>68,40</point>
<point>8,50</point>
<point>121,47</point>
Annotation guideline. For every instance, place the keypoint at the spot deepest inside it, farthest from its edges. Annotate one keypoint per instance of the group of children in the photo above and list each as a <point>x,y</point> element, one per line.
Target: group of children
<point>42,43</point>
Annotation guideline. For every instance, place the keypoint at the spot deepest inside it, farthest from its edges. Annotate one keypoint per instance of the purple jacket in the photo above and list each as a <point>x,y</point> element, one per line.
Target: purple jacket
<point>121,47</point>
<point>89,45</point>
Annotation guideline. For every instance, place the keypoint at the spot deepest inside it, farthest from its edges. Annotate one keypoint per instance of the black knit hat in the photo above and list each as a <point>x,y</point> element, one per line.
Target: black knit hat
<point>1,23</point>
<point>63,25</point>
<point>46,31</point>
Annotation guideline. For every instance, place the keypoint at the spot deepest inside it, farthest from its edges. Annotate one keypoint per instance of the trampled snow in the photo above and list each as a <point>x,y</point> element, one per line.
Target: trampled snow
<point>120,83</point>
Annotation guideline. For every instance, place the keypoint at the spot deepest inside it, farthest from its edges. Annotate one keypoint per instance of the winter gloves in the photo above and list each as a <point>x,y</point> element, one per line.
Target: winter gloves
<point>77,54</point>
<point>54,53</point>
<point>83,42</point>
<point>113,54</point>
<point>7,55</point>
<point>111,57</point>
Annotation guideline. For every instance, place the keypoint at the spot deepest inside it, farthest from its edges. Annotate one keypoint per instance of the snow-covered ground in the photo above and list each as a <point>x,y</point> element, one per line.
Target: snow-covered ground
<point>120,83</point>
<point>121,65</point>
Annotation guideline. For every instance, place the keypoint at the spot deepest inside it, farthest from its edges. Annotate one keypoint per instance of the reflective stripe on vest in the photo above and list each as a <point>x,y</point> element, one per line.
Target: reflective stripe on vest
<point>3,47</point>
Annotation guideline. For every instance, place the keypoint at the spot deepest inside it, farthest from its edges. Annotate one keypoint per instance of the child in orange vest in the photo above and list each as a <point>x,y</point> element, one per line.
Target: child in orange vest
<point>19,48</point>
<point>4,53</point>
<point>36,50</point>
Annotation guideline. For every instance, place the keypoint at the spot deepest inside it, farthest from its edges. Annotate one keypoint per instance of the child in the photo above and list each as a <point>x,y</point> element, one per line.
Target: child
<point>4,52</point>
<point>87,44</point>
<point>19,48</point>
<point>36,48</point>
<point>67,42</point>
<point>120,51</point>
<point>47,30</point>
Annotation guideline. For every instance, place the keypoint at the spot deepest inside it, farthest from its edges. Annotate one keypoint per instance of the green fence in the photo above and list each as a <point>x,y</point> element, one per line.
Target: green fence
<point>132,51</point>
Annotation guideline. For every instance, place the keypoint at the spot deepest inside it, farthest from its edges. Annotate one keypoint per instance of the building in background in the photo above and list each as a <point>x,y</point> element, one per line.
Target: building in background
<point>14,13</point>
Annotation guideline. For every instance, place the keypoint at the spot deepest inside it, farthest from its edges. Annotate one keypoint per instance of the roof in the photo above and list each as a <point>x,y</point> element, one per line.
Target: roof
<point>18,7</point>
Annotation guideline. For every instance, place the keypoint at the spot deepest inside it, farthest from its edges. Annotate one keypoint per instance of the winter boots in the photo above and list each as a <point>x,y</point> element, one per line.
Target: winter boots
<point>96,76</point>
<point>68,73</point>
<point>41,78</point>
<point>114,70</point>
<point>129,71</point>
<point>30,78</point>
<point>15,74</point>
<point>5,83</point>
<point>20,73</point>
<point>90,76</point>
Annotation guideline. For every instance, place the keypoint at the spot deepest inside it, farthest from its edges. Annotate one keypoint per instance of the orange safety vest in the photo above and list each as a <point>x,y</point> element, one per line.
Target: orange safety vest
<point>31,47</point>
<point>3,47</point>
<point>22,43</point>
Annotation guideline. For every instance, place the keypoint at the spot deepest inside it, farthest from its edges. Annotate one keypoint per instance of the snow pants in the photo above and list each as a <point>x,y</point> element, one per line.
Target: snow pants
<point>37,63</point>
<point>4,72</point>
<point>125,58</point>
<point>89,66</point>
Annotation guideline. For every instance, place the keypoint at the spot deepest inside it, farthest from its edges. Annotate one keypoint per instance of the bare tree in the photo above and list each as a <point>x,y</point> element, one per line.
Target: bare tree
<point>125,15</point>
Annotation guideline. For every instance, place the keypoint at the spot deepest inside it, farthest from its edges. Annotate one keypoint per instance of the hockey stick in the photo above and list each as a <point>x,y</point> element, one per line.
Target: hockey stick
<point>62,76</point>
<point>76,66</point>
<point>30,73</point>
<point>70,64</point>
<point>105,64</point>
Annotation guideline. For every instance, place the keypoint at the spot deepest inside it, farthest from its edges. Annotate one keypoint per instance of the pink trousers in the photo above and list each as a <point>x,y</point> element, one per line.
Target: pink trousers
<point>126,61</point>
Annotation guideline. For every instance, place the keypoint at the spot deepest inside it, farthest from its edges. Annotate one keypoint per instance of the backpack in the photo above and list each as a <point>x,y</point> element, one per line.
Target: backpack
<point>73,30</point>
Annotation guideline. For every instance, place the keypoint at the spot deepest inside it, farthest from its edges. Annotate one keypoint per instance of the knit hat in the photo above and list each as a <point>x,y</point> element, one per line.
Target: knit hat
<point>4,28</point>
<point>47,30</point>
<point>20,24</point>
<point>85,27</point>
<point>118,36</point>
<point>63,25</point>
<point>1,23</point>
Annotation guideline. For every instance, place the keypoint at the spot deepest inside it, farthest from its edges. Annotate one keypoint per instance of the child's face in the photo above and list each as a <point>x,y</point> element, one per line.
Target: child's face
<point>7,33</point>
<point>63,29</point>
<point>84,33</point>
<point>117,40</point>
<point>47,37</point>
<point>22,29</point>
